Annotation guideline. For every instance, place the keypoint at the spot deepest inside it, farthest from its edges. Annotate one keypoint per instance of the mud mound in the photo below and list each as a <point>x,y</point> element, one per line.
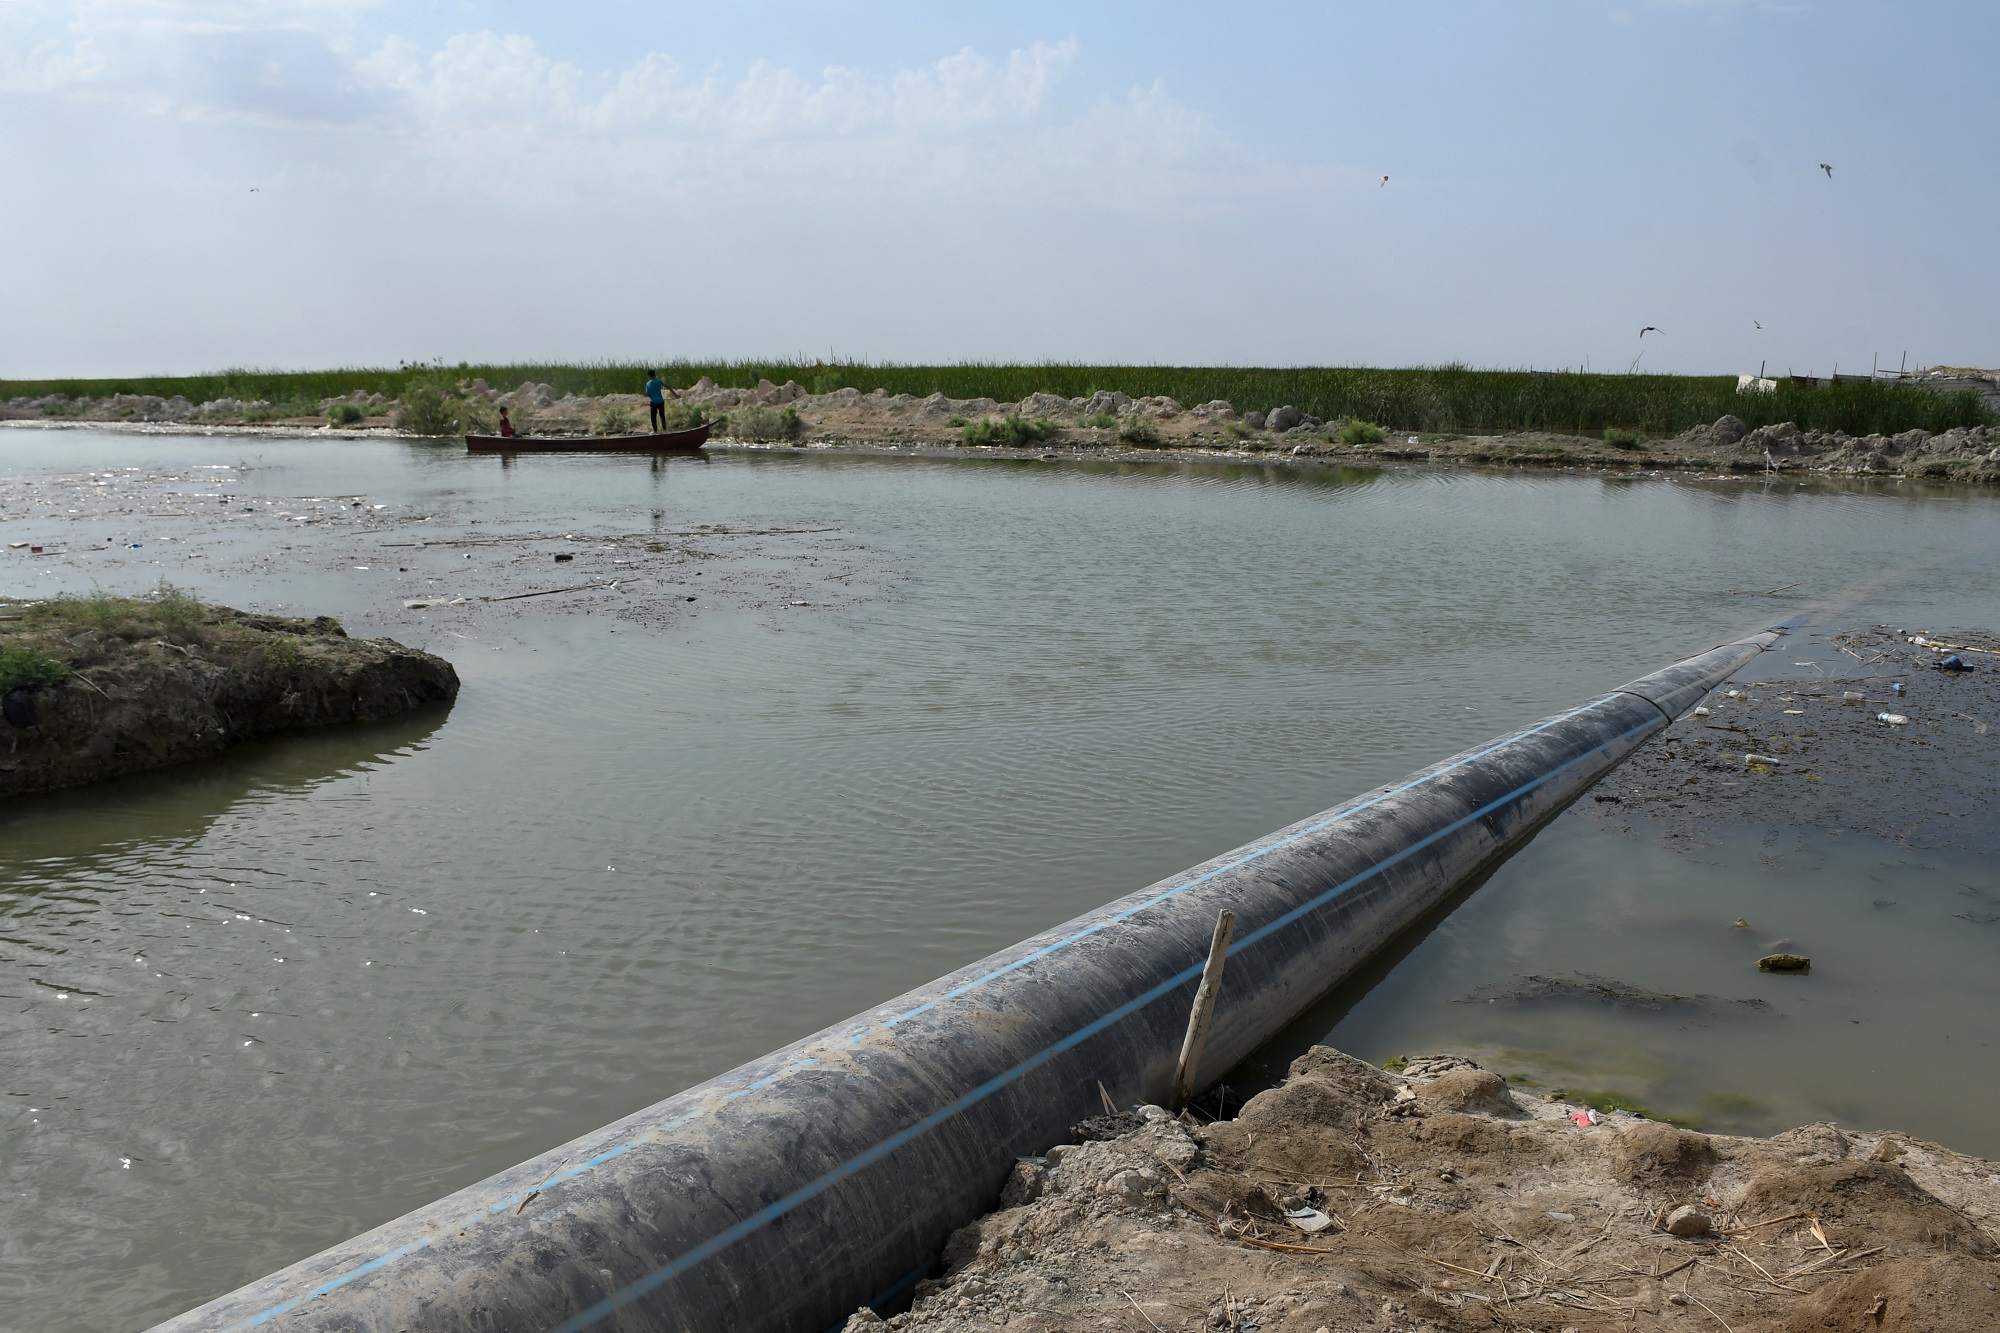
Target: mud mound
<point>1348,1198</point>
<point>143,692</point>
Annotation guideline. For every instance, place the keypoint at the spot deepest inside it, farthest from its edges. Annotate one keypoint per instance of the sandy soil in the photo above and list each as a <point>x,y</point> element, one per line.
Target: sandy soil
<point>1438,1198</point>
<point>850,419</point>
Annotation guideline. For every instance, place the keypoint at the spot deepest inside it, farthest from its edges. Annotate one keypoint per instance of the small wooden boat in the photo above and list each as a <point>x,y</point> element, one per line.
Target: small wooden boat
<point>663,442</point>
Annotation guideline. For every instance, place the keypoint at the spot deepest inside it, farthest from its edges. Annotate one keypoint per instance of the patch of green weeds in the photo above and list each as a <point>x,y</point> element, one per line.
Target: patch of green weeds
<point>1620,438</point>
<point>1607,1100</point>
<point>345,414</point>
<point>683,415</point>
<point>97,610</point>
<point>30,666</point>
<point>1237,430</point>
<point>283,650</point>
<point>1362,432</point>
<point>1101,420</point>
<point>957,423</point>
<point>428,408</point>
<point>1138,430</point>
<point>175,606</point>
<point>615,419</point>
<point>765,424</point>
<point>1395,1064</point>
<point>1523,1081</point>
<point>1011,429</point>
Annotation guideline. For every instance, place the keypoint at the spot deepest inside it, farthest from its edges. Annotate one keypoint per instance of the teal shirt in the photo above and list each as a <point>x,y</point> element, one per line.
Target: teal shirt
<point>656,390</point>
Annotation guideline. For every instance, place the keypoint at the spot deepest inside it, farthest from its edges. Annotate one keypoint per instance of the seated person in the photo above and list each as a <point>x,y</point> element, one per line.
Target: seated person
<point>506,426</point>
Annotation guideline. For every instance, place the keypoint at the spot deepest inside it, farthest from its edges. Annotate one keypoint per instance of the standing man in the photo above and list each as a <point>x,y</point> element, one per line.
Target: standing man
<point>656,398</point>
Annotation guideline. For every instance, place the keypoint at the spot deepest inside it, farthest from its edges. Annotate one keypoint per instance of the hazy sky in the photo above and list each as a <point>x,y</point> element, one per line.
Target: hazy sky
<point>305,182</point>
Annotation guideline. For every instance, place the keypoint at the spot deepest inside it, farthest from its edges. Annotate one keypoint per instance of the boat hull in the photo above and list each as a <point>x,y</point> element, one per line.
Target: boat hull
<point>663,442</point>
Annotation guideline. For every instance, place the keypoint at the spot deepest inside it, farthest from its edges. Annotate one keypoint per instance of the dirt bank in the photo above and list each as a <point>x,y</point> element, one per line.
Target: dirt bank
<point>106,686</point>
<point>1440,1199</point>
<point>1108,423</point>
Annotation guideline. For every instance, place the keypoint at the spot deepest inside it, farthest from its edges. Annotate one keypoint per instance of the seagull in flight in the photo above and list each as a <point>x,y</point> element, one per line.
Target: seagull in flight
<point>1385,181</point>
<point>1827,167</point>
<point>1759,325</point>
<point>253,189</point>
<point>1650,329</point>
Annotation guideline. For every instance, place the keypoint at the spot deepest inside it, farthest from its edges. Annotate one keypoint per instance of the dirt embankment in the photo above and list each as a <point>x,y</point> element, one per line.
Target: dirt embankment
<point>1112,423</point>
<point>145,685</point>
<point>1440,1199</point>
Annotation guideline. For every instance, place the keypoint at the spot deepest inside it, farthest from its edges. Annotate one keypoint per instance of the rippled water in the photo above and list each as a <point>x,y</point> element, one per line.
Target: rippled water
<point>255,1006</point>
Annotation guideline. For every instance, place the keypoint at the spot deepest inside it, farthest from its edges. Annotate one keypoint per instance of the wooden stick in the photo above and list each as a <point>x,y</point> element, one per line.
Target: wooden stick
<point>1204,1009</point>
<point>1142,1314</point>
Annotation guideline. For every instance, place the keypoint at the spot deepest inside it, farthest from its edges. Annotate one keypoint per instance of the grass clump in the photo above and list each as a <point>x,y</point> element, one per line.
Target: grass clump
<point>30,666</point>
<point>1137,430</point>
<point>1238,430</point>
<point>1395,1064</point>
<point>766,424</point>
<point>1101,420</point>
<point>1620,438</point>
<point>683,415</point>
<point>345,414</point>
<point>615,419</point>
<point>429,407</point>
<point>175,606</point>
<point>1011,429</point>
<point>1358,431</point>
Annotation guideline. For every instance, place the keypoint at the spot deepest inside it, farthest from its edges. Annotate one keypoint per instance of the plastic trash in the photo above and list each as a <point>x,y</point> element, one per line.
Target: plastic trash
<point>1699,712</point>
<point>1892,719</point>
<point>1761,759</point>
<point>1784,962</point>
<point>1309,1220</point>
<point>1585,1118</point>
<point>1897,689</point>
<point>1853,697</point>
<point>1953,663</point>
<point>34,550</point>
<point>564,558</point>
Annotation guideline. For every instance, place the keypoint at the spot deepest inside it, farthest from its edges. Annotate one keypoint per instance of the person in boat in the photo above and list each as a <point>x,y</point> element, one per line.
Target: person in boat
<point>506,426</point>
<point>656,399</point>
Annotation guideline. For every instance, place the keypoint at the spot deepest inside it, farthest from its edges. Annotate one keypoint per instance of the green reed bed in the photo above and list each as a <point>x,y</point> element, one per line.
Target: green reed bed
<point>1429,398</point>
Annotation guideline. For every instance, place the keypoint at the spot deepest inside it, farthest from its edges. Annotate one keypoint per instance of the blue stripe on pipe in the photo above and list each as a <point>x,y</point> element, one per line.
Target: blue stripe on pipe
<point>771,1213</point>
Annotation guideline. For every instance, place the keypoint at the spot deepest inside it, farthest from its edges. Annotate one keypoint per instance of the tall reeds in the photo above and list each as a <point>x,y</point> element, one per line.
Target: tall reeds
<point>1427,398</point>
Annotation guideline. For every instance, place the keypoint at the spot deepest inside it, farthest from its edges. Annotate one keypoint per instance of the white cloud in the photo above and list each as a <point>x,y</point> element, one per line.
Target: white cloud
<point>496,108</point>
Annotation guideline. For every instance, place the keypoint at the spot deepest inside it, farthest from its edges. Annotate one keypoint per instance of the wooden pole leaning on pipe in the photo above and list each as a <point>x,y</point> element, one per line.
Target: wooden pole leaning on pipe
<point>1204,1009</point>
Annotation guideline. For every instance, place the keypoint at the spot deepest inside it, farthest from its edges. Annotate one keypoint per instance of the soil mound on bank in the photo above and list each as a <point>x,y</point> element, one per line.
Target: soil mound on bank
<point>1440,1199</point>
<point>99,687</point>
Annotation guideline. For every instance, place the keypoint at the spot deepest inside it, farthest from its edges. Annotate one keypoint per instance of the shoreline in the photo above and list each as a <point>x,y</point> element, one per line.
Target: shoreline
<point>1528,452</point>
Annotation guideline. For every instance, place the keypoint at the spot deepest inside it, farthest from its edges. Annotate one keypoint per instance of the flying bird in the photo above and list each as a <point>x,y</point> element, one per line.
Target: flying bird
<point>1827,167</point>
<point>253,189</point>
<point>1385,181</point>
<point>1650,329</point>
<point>1755,322</point>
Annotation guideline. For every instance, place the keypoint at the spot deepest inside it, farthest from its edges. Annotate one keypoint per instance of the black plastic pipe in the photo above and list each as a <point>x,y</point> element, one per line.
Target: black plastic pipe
<point>784,1194</point>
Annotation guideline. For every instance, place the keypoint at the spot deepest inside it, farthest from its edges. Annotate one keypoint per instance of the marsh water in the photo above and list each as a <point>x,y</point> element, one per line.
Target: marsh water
<point>254,1006</point>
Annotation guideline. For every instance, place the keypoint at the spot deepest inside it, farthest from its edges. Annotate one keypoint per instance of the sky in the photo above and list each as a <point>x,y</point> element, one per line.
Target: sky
<point>296,183</point>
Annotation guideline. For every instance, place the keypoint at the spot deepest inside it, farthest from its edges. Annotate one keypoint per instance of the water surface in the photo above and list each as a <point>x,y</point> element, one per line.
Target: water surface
<point>255,1006</point>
